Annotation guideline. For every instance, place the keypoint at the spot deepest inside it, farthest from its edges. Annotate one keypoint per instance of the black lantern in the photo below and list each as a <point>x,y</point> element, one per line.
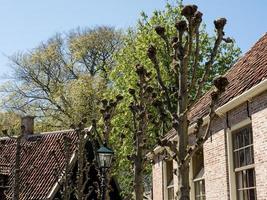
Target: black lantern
<point>105,156</point>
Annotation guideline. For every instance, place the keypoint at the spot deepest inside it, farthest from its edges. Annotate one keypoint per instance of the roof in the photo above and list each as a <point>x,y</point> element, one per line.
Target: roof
<point>41,155</point>
<point>248,71</point>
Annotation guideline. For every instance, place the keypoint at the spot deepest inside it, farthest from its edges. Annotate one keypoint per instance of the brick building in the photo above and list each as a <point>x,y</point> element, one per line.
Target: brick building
<point>233,162</point>
<point>42,164</point>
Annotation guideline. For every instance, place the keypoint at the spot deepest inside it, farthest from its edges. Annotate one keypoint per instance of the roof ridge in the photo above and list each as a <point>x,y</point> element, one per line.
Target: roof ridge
<point>49,133</point>
<point>58,131</point>
<point>244,56</point>
<point>243,65</point>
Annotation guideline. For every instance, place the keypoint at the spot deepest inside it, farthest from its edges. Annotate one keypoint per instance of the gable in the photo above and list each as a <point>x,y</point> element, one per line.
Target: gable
<point>38,163</point>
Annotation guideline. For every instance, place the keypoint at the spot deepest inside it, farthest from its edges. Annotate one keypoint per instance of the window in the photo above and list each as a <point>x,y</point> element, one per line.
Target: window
<point>199,184</point>
<point>3,185</point>
<point>3,181</point>
<point>198,174</point>
<point>244,163</point>
<point>169,180</point>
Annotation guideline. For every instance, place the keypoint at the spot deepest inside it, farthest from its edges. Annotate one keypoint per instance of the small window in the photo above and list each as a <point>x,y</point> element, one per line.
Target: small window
<point>3,181</point>
<point>198,174</point>
<point>243,147</point>
<point>170,185</point>
<point>200,190</point>
<point>3,185</point>
<point>199,184</point>
<point>244,164</point>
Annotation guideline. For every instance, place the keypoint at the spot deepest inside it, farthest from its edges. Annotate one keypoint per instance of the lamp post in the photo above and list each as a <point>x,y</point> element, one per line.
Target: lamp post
<point>105,156</point>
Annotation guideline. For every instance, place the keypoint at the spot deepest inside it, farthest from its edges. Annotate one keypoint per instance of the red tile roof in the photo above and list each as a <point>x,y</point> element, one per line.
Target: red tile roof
<point>247,72</point>
<point>37,163</point>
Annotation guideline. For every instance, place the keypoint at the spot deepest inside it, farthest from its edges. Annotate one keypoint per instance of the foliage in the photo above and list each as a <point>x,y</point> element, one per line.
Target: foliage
<point>124,77</point>
<point>9,120</point>
<point>62,80</point>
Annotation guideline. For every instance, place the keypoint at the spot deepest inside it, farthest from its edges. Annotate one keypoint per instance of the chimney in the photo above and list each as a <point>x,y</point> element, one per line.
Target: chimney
<point>27,125</point>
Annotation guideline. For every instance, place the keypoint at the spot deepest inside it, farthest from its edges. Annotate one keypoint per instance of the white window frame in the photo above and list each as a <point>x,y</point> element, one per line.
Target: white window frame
<point>230,152</point>
<point>197,180</point>
<point>165,184</point>
<point>192,179</point>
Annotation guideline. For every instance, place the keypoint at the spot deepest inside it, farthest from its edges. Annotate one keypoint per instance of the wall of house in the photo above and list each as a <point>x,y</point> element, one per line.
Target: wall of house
<point>259,125</point>
<point>218,179</point>
<point>175,178</point>
<point>215,167</point>
<point>157,178</point>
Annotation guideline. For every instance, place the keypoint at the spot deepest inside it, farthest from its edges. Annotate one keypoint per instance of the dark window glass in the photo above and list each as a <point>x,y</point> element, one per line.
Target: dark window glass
<point>243,147</point>
<point>244,156</point>
<point>171,193</point>
<point>170,186</point>
<point>200,190</point>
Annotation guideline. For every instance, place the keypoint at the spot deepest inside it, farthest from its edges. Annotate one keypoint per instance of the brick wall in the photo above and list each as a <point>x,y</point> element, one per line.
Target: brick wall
<point>157,172</point>
<point>215,152</point>
<point>259,126</point>
<point>215,167</point>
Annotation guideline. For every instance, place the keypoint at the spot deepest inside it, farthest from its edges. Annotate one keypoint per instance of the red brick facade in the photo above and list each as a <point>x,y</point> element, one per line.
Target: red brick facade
<point>216,157</point>
<point>259,124</point>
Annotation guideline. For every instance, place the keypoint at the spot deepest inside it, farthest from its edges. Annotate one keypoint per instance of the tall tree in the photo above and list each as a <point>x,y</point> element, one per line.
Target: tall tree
<point>165,82</point>
<point>185,59</point>
<point>63,77</point>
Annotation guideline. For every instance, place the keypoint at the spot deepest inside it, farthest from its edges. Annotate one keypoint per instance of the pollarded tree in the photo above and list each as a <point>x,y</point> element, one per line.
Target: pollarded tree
<point>125,77</point>
<point>188,86</point>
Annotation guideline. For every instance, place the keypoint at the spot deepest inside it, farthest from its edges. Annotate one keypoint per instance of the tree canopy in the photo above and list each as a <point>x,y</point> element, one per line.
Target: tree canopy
<point>124,77</point>
<point>62,79</point>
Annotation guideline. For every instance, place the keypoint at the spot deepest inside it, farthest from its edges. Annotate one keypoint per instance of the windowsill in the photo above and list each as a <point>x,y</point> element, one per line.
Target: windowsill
<point>170,186</point>
<point>199,179</point>
<point>244,167</point>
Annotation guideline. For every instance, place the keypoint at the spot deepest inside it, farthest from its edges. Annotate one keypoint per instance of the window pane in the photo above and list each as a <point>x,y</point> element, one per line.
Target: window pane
<point>242,138</point>
<point>240,195</point>
<point>242,158</point>
<point>250,177</point>
<point>169,168</point>
<point>171,193</point>
<point>197,188</point>
<point>236,157</point>
<point>203,187</point>
<point>248,156</point>
<point>244,179</point>
<point>200,190</point>
<point>252,194</point>
<point>246,137</point>
<point>239,180</point>
<point>246,184</point>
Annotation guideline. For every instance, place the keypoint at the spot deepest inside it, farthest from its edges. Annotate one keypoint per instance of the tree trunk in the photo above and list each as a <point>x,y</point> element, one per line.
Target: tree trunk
<point>183,169</point>
<point>183,192</point>
<point>182,130</point>
<point>138,177</point>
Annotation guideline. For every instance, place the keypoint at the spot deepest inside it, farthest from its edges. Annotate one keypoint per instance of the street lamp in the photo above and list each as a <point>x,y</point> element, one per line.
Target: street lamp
<point>105,156</point>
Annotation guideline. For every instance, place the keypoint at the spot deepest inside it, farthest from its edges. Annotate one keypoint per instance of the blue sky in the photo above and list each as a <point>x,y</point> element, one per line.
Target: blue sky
<point>25,23</point>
